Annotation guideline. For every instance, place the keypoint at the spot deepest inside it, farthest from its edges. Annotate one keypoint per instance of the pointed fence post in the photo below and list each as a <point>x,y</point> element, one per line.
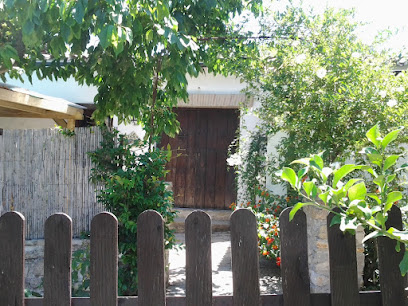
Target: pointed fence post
<point>343,266</point>
<point>198,259</point>
<point>12,239</point>
<point>294,259</point>
<point>104,260</point>
<point>245,258</point>
<point>150,250</point>
<point>391,281</point>
<point>57,260</point>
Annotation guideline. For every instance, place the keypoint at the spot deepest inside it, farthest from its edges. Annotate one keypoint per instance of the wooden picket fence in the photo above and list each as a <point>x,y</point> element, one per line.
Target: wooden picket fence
<point>245,265</point>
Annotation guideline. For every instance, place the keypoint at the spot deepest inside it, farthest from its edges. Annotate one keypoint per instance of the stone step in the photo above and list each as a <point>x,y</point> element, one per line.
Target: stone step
<point>219,219</point>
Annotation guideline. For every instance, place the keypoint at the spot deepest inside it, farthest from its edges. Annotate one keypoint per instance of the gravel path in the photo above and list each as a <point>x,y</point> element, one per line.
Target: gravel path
<point>270,280</point>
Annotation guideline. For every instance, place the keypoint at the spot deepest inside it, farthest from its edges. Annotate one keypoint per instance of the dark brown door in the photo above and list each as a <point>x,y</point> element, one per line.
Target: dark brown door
<point>199,175</point>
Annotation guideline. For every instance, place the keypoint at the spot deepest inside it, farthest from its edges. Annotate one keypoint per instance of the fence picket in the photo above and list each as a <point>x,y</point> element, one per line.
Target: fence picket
<point>12,237</point>
<point>392,283</point>
<point>104,260</point>
<point>343,266</point>
<point>198,259</point>
<point>245,268</point>
<point>294,262</point>
<point>57,260</point>
<point>245,258</point>
<point>150,250</point>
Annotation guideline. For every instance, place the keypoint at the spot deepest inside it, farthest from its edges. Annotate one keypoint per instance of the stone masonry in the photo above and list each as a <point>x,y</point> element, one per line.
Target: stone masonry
<point>34,262</point>
<point>318,250</point>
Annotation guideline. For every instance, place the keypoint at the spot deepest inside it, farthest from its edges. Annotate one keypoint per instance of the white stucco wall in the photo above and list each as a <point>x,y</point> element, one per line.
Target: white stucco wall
<point>25,123</point>
<point>271,150</point>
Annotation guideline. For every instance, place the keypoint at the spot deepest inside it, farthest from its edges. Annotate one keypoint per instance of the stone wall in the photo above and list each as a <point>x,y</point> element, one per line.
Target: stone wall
<point>318,251</point>
<point>34,262</point>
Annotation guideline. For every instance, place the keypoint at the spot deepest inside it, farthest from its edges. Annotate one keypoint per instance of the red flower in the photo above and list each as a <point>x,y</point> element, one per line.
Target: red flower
<point>267,220</point>
<point>264,253</point>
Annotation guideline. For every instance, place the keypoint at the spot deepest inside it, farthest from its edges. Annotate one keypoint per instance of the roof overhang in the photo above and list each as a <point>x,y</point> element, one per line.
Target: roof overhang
<point>216,100</point>
<point>20,103</point>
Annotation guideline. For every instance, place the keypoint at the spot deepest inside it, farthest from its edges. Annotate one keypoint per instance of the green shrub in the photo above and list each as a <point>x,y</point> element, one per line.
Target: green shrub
<point>132,181</point>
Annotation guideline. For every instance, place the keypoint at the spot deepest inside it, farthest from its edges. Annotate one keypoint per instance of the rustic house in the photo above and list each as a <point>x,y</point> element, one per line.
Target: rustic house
<point>209,122</point>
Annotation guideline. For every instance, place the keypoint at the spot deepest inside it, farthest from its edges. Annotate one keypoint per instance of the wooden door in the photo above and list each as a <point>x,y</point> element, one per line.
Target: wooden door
<point>199,175</point>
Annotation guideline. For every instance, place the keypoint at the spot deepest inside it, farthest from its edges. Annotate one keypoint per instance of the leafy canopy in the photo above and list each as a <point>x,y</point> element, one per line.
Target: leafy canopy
<point>137,53</point>
<point>321,85</point>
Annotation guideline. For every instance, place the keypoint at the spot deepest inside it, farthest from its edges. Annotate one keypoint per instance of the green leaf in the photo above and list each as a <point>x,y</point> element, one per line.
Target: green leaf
<point>149,35</point>
<point>342,172</point>
<point>369,170</point>
<point>335,220</point>
<point>348,223</point>
<point>390,161</point>
<point>66,32</point>
<point>350,183</point>
<point>404,264</point>
<point>338,194</point>
<point>376,159</point>
<point>390,178</point>
<point>303,161</point>
<point>105,37</point>
<point>374,197</point>
<point>317,161</point>
<point>381,219</point>
<point>371,235</point>
<point>290,176</point>
<point>79,12</point>
<point>309,188</point>
<point>393,197</point>
<point>373,135</point>
<point>379,180</point>
<point>357,192</point>
<point>296,207</point>
<point>162,11</point>
<point>389,137</point>
<point>302,172</point>
<point>369,150</point>
<point>398,246</point>
<point>403,167</point>
<point>324,196</point>
<point>28,27</point>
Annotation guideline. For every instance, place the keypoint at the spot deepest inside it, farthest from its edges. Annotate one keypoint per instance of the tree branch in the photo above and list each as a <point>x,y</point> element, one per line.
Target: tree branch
<point>154,97</point>
<point>233,38</point>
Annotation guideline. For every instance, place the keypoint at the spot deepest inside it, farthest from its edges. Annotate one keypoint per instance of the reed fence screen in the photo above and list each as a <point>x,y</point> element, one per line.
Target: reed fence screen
<point>43,172</point>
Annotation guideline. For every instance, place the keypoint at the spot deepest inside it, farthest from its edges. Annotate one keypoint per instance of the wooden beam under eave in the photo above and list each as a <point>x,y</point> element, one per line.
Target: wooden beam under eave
<point>61,122</point>
<point>25,102</point>
<point>71,124</point>
<point>19,110</point>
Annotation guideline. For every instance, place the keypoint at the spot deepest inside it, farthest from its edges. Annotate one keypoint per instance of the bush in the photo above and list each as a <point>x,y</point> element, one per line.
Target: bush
<point>364,200</point>
<point>132,180</point>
